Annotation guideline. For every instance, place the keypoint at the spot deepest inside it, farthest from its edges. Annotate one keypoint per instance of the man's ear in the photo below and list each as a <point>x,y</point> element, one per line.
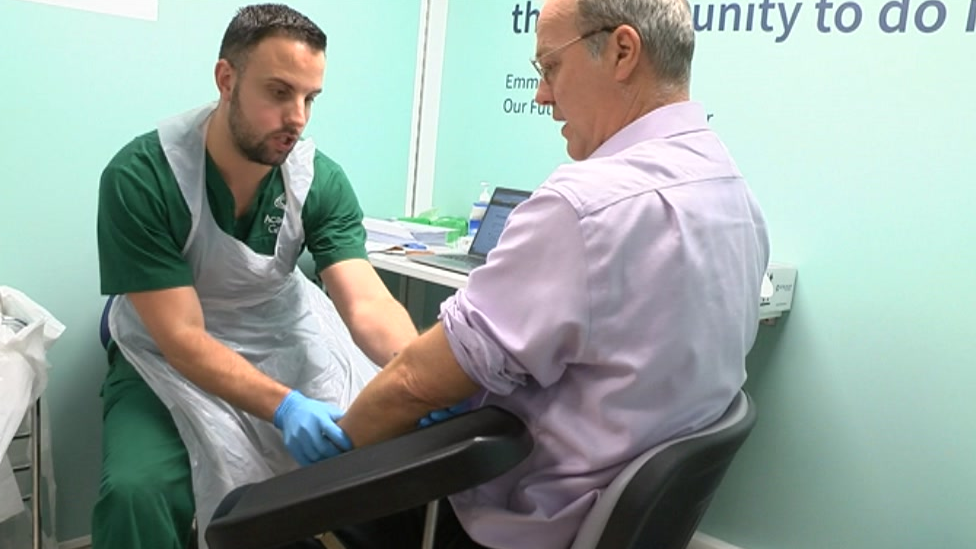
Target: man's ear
<point>626,46</point>
<point>225,76</point>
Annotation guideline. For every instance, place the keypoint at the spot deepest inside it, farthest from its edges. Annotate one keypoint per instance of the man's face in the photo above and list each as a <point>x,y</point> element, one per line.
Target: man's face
<point>575,82</point>
<point>271,99</point>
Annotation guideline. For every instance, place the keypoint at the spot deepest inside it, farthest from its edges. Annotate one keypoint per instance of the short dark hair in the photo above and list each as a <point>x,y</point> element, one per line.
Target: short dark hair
<point>254,23</point>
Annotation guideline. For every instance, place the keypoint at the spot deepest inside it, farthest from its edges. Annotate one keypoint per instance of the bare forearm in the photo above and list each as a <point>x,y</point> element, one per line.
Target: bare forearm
<point>379,324</point>
<point>423,378</point>
<point>381,328</point>
<point>383,410</point>
<point>175,321</point>
<point>220,371</point>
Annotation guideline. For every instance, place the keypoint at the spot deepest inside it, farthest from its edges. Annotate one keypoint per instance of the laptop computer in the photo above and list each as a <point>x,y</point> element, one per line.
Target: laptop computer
<point>502,202</point>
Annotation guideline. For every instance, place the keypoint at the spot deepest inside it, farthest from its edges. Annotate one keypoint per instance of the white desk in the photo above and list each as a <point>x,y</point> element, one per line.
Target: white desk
<point>400,265</point>
<point>412,295</point>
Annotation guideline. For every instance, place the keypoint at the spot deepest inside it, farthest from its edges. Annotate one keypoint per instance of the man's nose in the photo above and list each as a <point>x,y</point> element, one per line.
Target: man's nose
<point>296,115</point>
<point>543,93</point>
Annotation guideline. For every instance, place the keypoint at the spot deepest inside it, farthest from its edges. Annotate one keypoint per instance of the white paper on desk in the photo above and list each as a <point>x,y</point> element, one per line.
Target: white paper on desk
<point>387,232</point>
<point>136,9</point>
<point>430,235</point>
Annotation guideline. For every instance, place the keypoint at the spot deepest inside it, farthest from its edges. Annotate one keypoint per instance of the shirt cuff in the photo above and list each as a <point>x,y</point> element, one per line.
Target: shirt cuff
<point>477,354</point>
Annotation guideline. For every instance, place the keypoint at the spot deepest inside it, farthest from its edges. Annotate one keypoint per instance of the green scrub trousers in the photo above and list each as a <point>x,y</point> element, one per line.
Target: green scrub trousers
<point>145,500</point>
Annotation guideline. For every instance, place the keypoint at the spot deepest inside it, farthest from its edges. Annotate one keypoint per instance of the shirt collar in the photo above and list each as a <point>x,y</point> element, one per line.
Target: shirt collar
<point>667,121</point>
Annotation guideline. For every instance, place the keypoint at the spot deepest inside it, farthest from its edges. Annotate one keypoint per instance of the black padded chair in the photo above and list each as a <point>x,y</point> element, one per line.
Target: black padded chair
<point>379,480</point>
<point>104,333</point>
<point>656,502</point>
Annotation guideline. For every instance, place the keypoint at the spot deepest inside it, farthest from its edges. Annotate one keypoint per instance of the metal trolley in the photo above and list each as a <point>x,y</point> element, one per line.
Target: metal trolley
<point>29,431</point>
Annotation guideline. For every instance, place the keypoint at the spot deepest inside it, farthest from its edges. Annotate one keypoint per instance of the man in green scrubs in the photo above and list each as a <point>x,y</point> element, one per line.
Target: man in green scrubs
<point>200,225</point>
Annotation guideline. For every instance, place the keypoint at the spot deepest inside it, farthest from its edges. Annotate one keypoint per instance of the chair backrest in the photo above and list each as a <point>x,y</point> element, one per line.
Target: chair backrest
<point>657,501</point>
<point>104,333</point>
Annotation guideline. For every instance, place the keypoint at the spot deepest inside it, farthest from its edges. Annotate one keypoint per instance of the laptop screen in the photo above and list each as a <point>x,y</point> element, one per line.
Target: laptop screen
<point>503,201</point>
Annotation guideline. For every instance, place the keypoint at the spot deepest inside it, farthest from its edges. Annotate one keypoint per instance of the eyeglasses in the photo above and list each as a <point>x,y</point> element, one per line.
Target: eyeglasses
<point>544,72</point>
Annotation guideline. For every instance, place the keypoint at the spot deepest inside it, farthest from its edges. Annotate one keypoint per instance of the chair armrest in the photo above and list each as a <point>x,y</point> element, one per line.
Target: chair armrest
<point>371,482</point>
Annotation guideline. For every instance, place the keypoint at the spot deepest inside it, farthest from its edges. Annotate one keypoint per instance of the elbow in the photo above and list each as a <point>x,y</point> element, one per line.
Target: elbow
<point>417,394</point>
<point>182,347</point>
<point>361,318</point>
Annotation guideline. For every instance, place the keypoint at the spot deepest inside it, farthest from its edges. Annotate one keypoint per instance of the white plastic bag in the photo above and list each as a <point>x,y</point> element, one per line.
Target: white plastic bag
<point>27,331</point>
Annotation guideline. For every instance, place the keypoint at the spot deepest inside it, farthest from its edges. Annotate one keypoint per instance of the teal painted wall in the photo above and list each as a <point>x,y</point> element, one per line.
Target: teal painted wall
<point>859,147</point>
<point>856,144</point>
<point>76,86</point>
<point>476,139</point>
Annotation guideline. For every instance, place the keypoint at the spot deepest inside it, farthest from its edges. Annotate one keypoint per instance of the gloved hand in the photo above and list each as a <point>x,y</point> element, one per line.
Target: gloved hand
<point>444,413</point>
<point>310,429</point>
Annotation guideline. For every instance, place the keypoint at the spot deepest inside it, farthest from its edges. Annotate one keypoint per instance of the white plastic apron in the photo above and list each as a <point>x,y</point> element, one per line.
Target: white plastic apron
<point>260,306</point>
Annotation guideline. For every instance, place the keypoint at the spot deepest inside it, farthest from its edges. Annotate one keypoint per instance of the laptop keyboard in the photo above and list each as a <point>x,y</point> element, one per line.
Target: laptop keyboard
<point>465,259</point>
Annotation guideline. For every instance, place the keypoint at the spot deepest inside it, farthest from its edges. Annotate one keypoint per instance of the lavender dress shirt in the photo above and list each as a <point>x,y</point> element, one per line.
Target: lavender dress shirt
<point>615,313</point>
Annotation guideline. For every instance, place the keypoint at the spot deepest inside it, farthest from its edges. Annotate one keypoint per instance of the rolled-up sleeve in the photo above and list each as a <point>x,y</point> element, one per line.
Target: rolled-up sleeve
<point>523,317</point>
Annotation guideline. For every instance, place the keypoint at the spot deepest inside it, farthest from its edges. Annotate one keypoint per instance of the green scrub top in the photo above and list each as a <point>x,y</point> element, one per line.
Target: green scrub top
<point>143,220</point>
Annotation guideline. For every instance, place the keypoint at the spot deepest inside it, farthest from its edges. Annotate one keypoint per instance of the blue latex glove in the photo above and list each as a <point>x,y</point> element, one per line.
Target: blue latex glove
<point>310,429</point>
<point>445,413</point>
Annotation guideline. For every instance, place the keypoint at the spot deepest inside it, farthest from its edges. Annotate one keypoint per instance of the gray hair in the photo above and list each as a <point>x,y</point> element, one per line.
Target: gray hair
<point>665,28</point>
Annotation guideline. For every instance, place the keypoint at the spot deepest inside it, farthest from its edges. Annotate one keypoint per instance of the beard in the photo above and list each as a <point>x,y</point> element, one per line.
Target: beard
<point>257,148</point>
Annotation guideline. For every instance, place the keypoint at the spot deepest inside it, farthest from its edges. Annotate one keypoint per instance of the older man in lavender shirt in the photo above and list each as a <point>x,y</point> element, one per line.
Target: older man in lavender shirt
<point>622,299</point>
